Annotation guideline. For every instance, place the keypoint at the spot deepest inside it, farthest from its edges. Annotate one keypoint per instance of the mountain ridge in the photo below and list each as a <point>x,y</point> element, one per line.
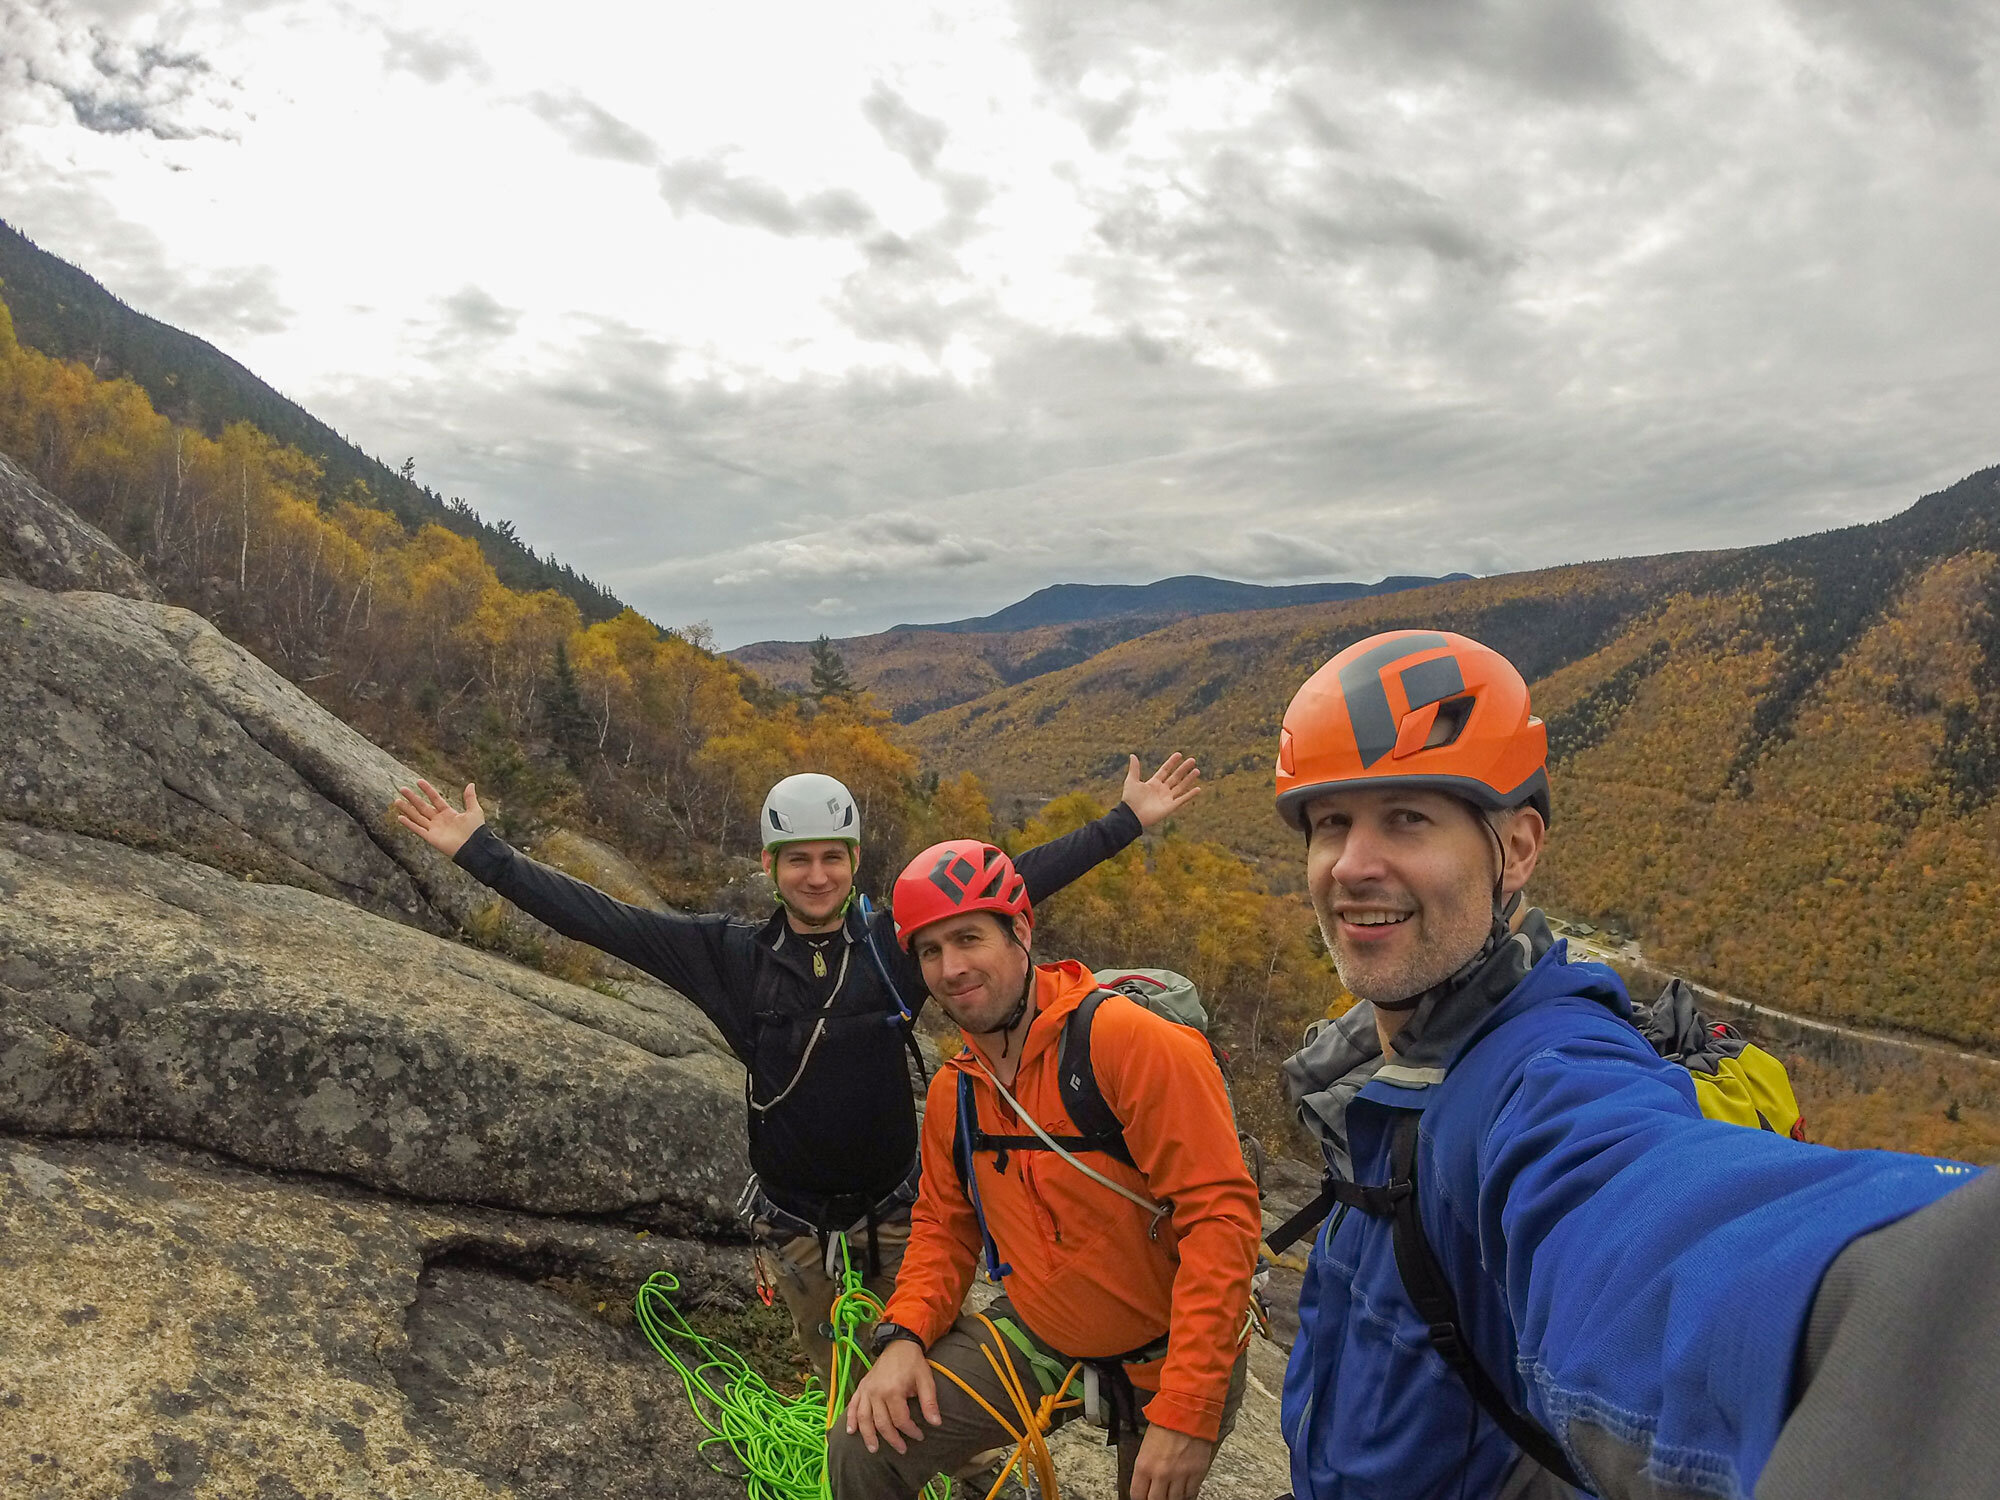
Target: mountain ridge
<point>1183,594</point>
<point>913,670</point>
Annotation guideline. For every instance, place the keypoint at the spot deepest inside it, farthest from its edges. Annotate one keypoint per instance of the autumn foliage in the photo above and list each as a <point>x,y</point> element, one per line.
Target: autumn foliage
<point>410,635</point>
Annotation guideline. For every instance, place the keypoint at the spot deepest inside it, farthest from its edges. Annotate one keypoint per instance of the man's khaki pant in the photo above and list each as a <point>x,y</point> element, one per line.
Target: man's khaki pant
<point>967,1432</point>
<point>798,1269</point>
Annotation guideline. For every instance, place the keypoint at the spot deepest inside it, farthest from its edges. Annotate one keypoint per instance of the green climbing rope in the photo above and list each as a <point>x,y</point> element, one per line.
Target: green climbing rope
<point>778,1440</point>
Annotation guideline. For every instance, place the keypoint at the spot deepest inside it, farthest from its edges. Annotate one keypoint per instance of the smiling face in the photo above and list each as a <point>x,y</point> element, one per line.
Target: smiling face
<point>1402,883</point>
<point>974,968</point>
<point>813,880</point>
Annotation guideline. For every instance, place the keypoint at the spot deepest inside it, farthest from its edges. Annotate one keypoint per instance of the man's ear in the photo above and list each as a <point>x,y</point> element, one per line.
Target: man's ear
<point>1024,930</point>
<point>767,861</point>
<point>1522,838</point>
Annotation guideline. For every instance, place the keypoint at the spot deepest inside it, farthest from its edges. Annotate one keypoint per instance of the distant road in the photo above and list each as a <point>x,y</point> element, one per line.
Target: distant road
<point>1631,952</point>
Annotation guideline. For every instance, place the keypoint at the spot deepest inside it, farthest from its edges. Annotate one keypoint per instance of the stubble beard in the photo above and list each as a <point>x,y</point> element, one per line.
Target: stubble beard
<point>1391,979</point>
<point>997,1012</point>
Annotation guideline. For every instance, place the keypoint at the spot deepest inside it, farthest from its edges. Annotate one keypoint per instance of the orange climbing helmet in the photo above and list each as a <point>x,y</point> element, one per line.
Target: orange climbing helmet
<point>959,875</point>
<point>1414,708</point>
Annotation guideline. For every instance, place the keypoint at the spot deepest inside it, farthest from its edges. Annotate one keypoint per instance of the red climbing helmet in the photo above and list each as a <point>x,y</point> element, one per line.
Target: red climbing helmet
<point>959,875</point>
<point>1414,708</point>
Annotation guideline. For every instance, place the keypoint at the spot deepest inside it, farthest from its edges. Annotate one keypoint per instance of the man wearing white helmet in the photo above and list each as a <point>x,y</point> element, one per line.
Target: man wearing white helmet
<point>818,1003</point>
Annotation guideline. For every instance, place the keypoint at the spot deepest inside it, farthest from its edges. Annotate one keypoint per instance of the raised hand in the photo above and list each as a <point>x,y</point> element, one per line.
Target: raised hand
<point>1165,792</point>
<point>434,820</point>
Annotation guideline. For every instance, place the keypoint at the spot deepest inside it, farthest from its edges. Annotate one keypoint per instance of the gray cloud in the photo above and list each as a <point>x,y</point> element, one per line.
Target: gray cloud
<point>1081,459</point>
<point>433,57</point>
<point>916,137</point>
<point>864,550</point>
<point>1105,120</point>
<point>121,116</point>
<point>704,185</point>
<point>593,130</point>
<point>228,306</point>
<point>1944,52</point>
<point>1570,51</point>
<point>1374,288</point>
<point>469,324</point>
<point>1264,554</point>
<point>1579,303</point>
<point>115,88</point>
<point>1242,216</point>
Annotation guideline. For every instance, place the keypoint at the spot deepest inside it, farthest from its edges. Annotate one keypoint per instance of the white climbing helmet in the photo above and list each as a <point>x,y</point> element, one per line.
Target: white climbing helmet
<point>809,806</point>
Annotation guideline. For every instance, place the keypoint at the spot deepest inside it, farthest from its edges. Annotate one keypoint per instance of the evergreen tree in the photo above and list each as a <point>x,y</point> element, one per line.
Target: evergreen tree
<point>569,725</point>
<point>830,677</point>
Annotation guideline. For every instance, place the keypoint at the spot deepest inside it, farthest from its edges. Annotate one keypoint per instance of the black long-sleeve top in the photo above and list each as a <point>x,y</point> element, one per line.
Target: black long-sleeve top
<point>832,1121</point>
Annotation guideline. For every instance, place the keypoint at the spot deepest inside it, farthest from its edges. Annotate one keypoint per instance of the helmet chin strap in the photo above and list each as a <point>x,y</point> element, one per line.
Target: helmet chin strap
<point>1502,928</point>
<point>1020,1006</point>
<point>804,920</point>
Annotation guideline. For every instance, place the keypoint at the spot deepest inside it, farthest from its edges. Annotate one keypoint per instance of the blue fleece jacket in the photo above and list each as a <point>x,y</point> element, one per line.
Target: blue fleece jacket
<point>1638,1277</point>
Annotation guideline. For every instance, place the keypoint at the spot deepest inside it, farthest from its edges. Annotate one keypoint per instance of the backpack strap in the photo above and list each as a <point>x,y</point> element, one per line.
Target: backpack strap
<point>1076,1081</point>
<point>902,1015</point>
<point>1430,1293</point>
<point>1307,1219</point>
<point>962,1147</point>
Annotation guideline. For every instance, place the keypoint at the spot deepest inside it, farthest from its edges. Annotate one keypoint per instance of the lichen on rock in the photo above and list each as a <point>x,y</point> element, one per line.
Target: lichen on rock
<point>174,1325</point>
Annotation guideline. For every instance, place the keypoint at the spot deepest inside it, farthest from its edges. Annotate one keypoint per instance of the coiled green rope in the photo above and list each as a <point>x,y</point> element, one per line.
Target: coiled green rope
<point>779,1440</point>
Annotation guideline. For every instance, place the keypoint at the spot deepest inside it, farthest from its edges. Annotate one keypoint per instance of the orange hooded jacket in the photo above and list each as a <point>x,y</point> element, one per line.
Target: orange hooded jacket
<point>1087,1278</point>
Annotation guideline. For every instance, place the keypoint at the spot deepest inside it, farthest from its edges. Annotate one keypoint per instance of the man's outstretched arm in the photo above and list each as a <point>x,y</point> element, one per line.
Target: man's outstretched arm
<point>1144,804</point>
<point>1630,1299</point>
<point>685,952</point>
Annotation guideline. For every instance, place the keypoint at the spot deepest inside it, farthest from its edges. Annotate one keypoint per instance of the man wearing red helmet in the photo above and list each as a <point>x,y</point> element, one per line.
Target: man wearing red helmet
<point>816,1002</point>
<point>1546,1270</point>
<point>1134,1259</point>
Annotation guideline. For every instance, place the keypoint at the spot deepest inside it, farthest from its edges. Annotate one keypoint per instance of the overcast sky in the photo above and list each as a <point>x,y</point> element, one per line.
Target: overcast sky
<point>803,316</point>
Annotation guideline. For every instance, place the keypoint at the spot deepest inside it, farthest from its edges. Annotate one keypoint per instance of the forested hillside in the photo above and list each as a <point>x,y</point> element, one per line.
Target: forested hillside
<point>916,672</point>
<point>409,634</point>
<point>1219,684</point>
<point>62,312</point>
<point>1775,767</point>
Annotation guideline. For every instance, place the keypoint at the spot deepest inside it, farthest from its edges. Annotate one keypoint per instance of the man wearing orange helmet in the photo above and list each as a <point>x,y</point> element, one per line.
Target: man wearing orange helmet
<point>1544,1269</point>
<point>1129,1254</point>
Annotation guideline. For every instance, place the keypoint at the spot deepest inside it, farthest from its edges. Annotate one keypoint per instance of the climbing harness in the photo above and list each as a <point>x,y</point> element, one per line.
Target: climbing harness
<point>780,1441</point>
